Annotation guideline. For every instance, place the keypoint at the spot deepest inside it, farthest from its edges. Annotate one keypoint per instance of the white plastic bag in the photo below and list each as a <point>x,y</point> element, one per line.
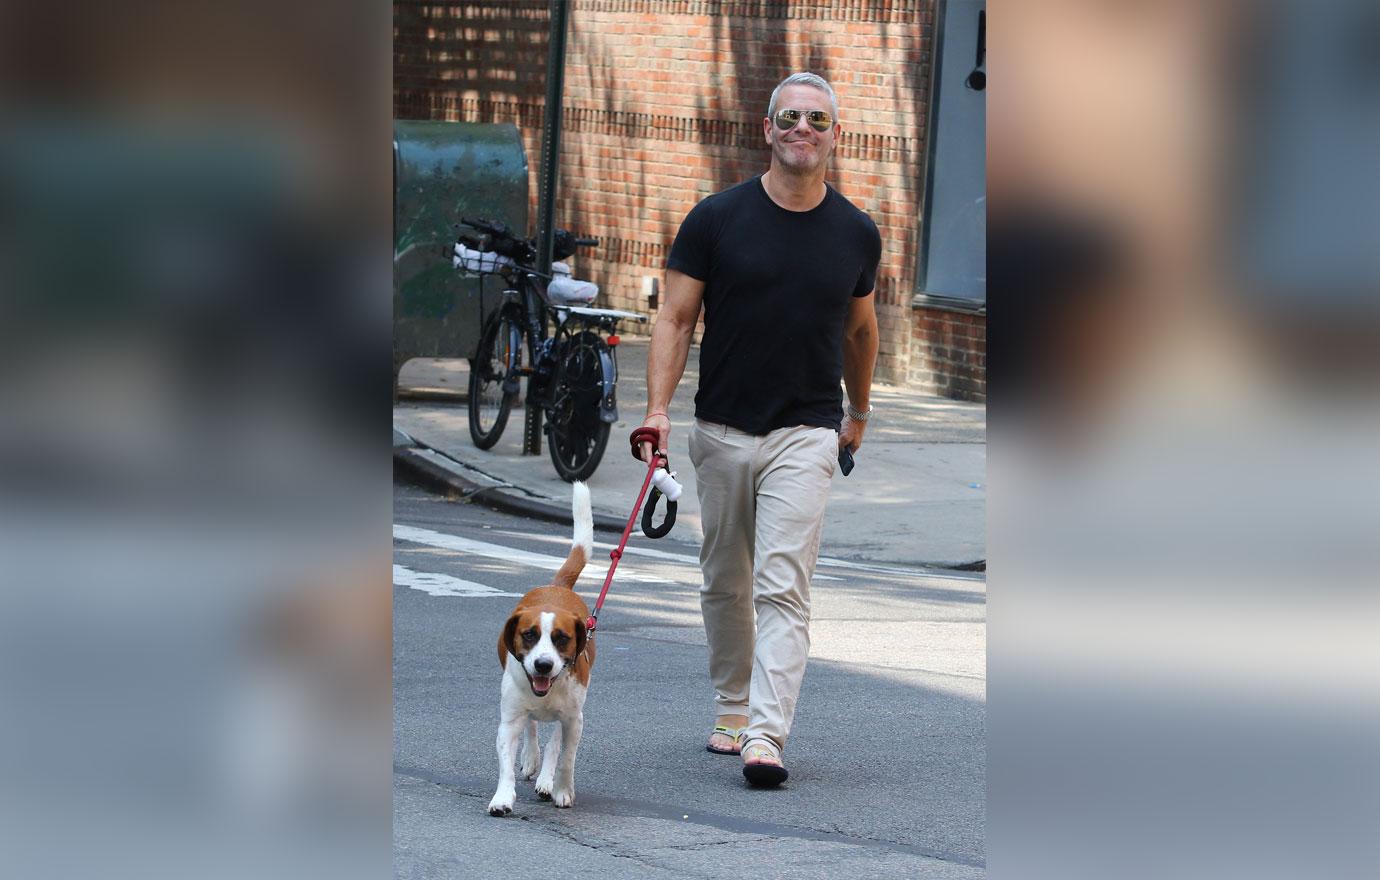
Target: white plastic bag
<point>478,261</point>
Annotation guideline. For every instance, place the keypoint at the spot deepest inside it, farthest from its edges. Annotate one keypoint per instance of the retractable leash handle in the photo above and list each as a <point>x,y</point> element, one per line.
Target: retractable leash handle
<point>658,463</point>
<point>663,484</point>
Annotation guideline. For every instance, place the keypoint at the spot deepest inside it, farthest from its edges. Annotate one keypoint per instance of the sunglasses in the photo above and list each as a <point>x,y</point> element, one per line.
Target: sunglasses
<point>819,120</point>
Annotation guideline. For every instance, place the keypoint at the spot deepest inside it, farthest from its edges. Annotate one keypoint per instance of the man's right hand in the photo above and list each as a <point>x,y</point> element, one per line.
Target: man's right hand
<point>662,425</point>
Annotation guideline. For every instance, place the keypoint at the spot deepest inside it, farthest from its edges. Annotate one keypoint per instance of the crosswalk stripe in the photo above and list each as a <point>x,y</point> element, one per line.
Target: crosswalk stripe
<point>443,584</point>
<point>684,558</point>
<point>443,541</point>
<point>601,548</point>
<point>479,548</point>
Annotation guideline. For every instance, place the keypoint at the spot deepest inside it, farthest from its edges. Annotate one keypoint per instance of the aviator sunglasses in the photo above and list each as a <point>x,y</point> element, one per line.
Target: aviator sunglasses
<point>819,120</point>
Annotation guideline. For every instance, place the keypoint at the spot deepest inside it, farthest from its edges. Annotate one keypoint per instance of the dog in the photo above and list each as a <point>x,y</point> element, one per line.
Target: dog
<point>546,654</point>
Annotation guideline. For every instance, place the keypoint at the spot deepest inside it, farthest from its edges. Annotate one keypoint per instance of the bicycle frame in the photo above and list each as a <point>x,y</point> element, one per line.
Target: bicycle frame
<point>571,363</point>
<point>535,312</point>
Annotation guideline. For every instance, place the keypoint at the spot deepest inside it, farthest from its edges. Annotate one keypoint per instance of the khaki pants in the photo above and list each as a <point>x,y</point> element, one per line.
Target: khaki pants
<point>762,504</point>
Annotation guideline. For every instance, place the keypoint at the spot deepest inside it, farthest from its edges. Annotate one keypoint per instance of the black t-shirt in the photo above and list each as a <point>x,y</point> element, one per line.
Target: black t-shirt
<point>778,285</point>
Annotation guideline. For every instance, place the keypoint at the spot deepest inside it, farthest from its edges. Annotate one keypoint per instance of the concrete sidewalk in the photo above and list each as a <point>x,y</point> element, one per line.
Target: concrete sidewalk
<point>917,496</point>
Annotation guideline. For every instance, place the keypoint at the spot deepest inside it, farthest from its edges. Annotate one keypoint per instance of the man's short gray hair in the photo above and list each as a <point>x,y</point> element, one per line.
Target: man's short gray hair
<point>813,80</point>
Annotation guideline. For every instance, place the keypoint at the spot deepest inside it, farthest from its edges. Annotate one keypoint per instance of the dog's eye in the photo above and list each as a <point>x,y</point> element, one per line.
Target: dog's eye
<point>529,637</point>
<point>560,639</point>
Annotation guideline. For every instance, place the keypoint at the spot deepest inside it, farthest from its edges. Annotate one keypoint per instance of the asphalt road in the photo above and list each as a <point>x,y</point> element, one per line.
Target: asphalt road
<point>887,755</point>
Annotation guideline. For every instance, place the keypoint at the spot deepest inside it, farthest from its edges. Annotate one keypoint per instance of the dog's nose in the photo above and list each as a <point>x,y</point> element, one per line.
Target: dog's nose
<point>543,666</point>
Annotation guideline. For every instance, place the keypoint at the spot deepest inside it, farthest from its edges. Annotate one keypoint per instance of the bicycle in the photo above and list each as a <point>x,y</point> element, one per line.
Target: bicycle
<point>572,373</point>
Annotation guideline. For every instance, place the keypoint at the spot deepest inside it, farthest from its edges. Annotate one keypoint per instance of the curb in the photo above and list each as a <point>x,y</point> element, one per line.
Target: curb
<point>414,466</point>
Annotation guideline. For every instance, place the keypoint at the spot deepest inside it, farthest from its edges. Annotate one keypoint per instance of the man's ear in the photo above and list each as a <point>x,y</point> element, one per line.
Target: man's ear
<point>509,634</point>
<point>581,636</point>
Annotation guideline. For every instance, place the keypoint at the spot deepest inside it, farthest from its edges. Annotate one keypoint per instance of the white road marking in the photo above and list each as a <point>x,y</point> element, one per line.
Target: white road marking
<point>507,554</point>
<point>444,541</point>
<point>694,561</point>
<point>443,584</point>
<point>683,558</point>
<point>600,545</point>
<point>936,574</point>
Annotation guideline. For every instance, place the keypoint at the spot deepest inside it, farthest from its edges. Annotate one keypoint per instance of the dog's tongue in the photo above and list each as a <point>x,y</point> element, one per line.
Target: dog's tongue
<point>542,683</point>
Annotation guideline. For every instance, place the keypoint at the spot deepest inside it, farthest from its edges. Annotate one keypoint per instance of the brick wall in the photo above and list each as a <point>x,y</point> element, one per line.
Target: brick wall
<point>950,353</point>
<point>663,106</point>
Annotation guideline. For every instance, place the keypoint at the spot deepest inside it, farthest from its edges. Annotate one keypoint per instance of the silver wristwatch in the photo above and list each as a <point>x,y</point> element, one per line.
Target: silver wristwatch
<point>857,415</point>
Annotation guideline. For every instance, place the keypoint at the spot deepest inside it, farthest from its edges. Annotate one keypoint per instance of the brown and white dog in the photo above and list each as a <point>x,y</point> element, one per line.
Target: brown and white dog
<point>546,656</point>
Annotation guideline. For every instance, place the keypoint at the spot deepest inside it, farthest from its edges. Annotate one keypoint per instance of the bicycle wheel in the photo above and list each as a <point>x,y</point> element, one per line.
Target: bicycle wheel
<point>576,436</point>
<point>494,379</point>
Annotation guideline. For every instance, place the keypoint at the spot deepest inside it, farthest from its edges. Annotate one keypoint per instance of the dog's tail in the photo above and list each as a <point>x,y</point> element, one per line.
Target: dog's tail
<point>582,547</point>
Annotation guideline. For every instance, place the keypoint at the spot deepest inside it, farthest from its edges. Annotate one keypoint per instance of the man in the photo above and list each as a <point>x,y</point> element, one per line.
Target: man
<point>784,267</point>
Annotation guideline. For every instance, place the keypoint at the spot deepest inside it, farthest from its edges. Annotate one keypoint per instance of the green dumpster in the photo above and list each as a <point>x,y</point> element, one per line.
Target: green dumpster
<point>443,171</point>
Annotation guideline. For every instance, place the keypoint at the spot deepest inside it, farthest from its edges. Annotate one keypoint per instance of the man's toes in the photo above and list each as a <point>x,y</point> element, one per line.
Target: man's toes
<point>722,743</point>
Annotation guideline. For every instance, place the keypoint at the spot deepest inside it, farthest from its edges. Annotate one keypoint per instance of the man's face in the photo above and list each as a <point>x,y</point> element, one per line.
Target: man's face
<point>801,149</point>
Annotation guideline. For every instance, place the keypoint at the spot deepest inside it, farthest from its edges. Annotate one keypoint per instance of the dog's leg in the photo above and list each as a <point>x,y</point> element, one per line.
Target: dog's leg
<point>530,750</point>
<point>509,729</point>
<point>563,795</point>
<point>547,781</point>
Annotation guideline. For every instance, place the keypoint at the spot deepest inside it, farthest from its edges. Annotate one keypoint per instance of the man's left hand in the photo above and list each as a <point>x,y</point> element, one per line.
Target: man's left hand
<point>851,434</point>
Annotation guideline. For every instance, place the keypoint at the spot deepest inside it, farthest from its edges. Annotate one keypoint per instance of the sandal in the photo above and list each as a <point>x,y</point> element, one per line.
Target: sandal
<point>760,773</point>
<point>733,733</point>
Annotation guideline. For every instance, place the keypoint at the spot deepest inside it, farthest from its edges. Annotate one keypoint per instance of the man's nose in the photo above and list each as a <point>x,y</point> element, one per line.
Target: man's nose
<point>543,666</point>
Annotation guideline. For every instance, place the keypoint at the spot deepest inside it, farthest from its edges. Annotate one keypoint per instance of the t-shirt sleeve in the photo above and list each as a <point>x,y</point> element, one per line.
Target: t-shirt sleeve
<point>690,252</point>
<point>872,250</point>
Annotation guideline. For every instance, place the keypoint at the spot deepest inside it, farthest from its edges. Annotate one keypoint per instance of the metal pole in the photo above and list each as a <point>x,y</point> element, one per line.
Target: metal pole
<point>546,196</point>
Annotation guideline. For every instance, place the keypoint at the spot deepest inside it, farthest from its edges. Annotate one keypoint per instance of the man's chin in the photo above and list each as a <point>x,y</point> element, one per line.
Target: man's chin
<point>794,162</point>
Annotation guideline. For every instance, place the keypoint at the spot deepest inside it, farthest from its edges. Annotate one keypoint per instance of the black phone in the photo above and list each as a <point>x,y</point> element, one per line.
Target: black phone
<point>845,460</point>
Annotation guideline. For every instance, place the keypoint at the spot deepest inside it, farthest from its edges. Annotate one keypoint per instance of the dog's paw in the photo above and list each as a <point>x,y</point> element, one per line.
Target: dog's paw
<point>563,797</point>
<point>501,805</point>
<point>529,762</point>
<point>544,787</point>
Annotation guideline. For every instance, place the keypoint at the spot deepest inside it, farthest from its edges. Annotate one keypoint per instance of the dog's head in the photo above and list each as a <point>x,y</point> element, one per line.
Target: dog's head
<point>546,643</point>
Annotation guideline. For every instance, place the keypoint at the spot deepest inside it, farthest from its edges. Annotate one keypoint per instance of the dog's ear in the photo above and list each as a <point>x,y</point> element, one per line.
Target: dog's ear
<point>581,636</point>
<point>505,643</point>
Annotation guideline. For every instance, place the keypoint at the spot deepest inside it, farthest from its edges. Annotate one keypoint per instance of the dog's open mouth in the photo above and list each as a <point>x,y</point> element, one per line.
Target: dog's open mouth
<point>541,684</point>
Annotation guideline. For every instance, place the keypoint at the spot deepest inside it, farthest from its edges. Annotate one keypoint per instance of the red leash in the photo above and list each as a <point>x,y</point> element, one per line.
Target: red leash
<point>641,435</point>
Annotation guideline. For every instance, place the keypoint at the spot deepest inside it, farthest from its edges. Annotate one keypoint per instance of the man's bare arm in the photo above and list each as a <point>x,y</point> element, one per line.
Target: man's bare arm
<point>669,349</point>
<point>859,358</point>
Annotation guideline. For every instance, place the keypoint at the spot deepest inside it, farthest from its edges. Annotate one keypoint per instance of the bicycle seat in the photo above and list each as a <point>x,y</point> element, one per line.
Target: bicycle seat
<point>564,290</point>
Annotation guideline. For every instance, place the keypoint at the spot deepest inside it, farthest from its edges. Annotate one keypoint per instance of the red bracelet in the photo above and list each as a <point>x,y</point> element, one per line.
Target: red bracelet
<point>657,413</point>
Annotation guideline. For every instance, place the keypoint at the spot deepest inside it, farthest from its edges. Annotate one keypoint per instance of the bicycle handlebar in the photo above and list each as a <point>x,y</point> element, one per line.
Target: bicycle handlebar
<point>497,238</point>
<point>486,226</point>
